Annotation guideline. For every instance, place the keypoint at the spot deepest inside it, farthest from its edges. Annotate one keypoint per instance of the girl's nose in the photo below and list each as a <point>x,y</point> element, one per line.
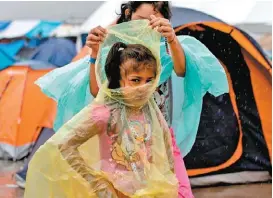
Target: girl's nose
<point>143,82</point>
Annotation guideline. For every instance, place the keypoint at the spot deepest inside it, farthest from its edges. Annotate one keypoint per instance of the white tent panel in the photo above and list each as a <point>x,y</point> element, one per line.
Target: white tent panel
<point>103,16</point>
<point>66,30</point>
<point>19,28</point>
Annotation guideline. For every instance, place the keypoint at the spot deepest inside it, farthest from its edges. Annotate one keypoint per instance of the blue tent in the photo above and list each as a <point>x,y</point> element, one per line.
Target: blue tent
<point>8,51</point>
<point>43,29</point>
<point>12,48</point>
<point>56,51</point>
<point>5,60</point>
<point>4,25</point>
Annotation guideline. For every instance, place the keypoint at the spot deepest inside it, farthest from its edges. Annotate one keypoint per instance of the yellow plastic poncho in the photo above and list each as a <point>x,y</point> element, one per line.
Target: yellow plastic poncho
<point>117,146</point>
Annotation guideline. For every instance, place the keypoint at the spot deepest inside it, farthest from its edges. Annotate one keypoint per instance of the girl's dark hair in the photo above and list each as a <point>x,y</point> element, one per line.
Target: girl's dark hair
<point>161,6</point>
<point>119,53</point>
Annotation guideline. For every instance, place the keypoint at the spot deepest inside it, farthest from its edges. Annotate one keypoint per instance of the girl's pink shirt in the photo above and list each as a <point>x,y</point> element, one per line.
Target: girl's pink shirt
<point>102,113</point>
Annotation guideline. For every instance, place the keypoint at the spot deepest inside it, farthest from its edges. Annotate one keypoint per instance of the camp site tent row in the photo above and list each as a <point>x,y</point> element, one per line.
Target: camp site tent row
<point>24,109</point>
<point>55,51</point>
<point>233,143</point>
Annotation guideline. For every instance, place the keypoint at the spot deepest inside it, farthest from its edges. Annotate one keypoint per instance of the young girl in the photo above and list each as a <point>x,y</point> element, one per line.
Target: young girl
<point>120,144</point>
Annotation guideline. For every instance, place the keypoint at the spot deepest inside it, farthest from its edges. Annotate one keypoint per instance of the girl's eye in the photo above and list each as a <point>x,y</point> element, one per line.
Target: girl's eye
<point>136,80</point>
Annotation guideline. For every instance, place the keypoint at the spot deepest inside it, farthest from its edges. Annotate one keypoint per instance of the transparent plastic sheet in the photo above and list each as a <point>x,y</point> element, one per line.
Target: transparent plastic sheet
<point>117,146</point>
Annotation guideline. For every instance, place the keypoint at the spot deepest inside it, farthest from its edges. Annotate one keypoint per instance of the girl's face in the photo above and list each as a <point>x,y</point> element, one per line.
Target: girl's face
<point>137,82</point>
<point>134,78</point>
<point>144,11</point>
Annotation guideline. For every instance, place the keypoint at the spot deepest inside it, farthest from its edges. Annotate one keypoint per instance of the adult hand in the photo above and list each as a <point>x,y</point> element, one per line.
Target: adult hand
<point>95,37</point>
<point>163,26</point>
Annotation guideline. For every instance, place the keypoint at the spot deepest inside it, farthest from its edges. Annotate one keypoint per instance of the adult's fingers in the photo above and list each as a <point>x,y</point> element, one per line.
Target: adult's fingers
<point>165,29</point>
<point>94,38</point>
<point>160,23</point>
<point>102,29</point>
<point>99,33</point>
<point>153,19</point>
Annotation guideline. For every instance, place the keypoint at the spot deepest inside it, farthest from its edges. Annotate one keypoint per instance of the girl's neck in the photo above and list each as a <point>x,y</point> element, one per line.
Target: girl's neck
<point>134,111</point>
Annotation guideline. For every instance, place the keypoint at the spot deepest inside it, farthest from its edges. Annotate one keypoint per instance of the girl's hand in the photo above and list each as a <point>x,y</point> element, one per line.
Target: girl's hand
<point>95,37</point>
<point>164,27</point>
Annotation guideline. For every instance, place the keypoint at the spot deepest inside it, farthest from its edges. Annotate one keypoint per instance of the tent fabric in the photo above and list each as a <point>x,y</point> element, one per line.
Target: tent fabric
<point>191,15</point>
<point>66,30</point>
<point>43,29</point>
<point>24,111</point>
<point>240,37</point>
<point>4,24</point>
<point>56,51</point>
<point>35,65</point>
<point>6,60</point>
<point>29,48</point>
<point>29,28</point>
<point>257,45</point>
<point>35,42</point>
<point>18,28</point>
<point>8,52</point>
<point>194,16</point>
<point>12,48</point>
<point>234,133</point>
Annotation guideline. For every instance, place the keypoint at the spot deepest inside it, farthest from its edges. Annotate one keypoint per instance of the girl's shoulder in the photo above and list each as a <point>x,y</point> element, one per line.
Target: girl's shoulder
<point>100,113</point>
<point>104,113</point>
